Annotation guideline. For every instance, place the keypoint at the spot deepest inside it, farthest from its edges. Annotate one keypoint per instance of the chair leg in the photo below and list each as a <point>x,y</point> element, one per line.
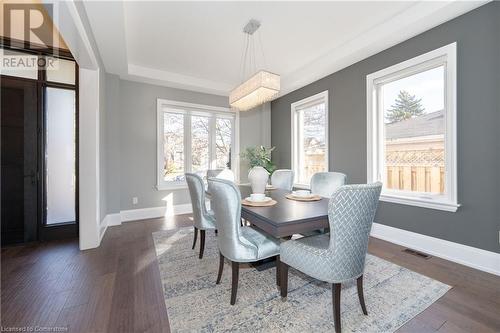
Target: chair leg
<point>234,281</point>
<point>278,275</point>
<point>336,287</point>
<point>360,295</point>
<point>284,279</point>
<point>202,243</point>
<point>221,267</point>
<point>195,236</point>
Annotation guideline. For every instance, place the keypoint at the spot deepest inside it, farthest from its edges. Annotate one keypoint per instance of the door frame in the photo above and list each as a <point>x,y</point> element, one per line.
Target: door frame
<point>60,230</point>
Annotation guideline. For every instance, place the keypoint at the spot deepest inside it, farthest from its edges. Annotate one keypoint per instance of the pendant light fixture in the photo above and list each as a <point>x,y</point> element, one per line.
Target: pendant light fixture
<point>263,86</point>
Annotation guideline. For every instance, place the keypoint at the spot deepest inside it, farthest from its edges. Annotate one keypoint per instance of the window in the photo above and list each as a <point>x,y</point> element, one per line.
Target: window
<point>193,138</point>
<point>63,71</point>
<point>412,130</point>
<point>60,163</point>
<point>173,146</point>
<point>309,137</point>
<point>223,134</point>
<point>200,141</point>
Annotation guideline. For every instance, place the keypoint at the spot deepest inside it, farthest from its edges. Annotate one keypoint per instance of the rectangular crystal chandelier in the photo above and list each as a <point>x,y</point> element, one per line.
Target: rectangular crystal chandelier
<point>261,88</point>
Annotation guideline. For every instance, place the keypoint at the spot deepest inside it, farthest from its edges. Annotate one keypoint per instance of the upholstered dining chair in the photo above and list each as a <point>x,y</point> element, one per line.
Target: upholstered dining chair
<point>339,256</point>
<point>203,219</point>
<point>325,183</point>
<point>238,244</point>
<point>221,174</point>
<point>282,178</point>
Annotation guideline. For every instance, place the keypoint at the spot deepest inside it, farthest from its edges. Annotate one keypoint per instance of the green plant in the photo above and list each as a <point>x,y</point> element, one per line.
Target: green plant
<point>260,156</point>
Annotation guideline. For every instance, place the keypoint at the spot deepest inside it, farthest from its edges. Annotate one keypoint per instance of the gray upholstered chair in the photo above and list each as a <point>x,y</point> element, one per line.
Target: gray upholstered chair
<point>221,174</point>
<point>339,256</point>
<point>203,219</point>
<point>325,183</point>
<point>283,179</point>
<point>237,243</point>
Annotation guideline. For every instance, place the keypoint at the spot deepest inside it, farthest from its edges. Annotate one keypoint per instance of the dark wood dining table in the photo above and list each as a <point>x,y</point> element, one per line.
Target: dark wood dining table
<point>287,217</point>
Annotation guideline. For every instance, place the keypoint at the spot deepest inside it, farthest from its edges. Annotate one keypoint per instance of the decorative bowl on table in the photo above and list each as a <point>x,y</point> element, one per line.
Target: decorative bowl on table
<point>258,197</point>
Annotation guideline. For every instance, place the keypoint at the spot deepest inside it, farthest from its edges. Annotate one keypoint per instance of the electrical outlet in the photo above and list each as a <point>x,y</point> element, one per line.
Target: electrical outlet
<point>135,200</point>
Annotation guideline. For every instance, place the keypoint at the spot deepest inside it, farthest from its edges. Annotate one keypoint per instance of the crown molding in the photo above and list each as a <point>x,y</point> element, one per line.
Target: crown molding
<point>176,80</point>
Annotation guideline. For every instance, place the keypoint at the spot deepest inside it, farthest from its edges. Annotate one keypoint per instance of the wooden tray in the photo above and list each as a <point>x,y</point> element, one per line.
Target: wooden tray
<point>293,197</point>
<point>259,204</point>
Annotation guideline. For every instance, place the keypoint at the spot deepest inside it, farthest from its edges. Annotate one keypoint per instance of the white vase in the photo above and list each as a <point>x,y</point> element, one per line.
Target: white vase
<point>258,177</point>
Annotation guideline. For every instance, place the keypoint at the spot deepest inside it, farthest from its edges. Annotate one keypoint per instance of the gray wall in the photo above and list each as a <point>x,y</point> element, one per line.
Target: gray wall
<point>255,130</point>
<point>112,139</point>
<point>477,34</point>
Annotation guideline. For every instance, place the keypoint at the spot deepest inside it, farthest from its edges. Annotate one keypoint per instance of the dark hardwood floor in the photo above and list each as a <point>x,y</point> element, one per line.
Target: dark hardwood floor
<point>116,288</point>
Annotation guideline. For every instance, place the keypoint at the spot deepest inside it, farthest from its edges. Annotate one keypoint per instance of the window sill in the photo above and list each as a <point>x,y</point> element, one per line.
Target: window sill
<point>171,187</point>
<point>420,202</point>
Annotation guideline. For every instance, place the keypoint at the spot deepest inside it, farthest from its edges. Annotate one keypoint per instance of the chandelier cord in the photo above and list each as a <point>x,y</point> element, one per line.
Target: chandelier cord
<point>242,60</point>
<point>253,58</point>
<point>245,57</point>
<point>262,50</point>
<point>249,61</point>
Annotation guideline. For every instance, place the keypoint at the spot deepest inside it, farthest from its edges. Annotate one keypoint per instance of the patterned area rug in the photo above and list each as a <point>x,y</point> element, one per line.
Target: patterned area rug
<point>195,303</point>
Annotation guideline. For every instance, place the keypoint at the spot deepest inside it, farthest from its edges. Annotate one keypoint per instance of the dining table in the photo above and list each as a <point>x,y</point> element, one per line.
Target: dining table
<point>287,217</point>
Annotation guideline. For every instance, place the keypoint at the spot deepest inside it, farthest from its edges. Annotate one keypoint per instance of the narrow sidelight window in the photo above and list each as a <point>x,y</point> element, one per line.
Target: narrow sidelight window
<point>60,172</point>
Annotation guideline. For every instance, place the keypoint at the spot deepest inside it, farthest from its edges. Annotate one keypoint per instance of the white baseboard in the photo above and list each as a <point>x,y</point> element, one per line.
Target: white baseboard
<point>102,230</point>
<point>113,219</point>
<point>462,254</point>
<point>154,212</point>
<point>108,221</point>
<point>142,214</point>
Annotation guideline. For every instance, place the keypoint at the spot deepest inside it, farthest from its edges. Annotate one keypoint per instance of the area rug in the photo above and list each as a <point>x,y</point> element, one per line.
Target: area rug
<point>393,294</point>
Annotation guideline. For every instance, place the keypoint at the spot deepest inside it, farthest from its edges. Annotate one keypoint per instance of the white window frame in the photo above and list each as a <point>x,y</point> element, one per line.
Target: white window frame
<point>321,97</point>
<point>190,109</point>
<point>446,56</point>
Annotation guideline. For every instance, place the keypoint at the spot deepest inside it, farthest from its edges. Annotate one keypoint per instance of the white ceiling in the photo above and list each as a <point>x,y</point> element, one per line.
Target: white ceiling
<point>198,45</point>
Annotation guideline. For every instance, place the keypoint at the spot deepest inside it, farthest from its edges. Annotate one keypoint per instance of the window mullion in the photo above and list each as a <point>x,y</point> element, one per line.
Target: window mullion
<point>187,143</point>
<point>380,137</point>
<point>213,155</point>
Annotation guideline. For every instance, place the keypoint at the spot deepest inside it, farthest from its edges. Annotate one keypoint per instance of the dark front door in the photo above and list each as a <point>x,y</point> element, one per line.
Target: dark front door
<point>19,151</point>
